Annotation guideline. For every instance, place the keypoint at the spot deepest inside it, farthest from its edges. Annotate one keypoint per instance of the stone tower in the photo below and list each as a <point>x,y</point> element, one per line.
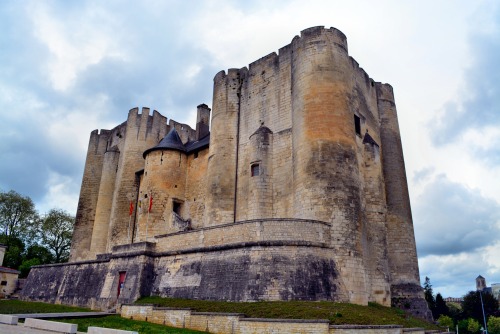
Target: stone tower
<point>297,192</point>
<point>480,283</point>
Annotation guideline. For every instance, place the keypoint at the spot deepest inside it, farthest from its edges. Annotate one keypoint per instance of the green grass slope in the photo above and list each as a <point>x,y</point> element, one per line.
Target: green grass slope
<point>336,313</point>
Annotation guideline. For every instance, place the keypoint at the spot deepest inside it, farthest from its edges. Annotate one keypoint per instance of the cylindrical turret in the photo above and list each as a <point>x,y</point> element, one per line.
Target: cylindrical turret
<point>260,186</point>
<point>326,175</point>
<point>104,202</point>
<point>222,159</point>
<point>400,236</point>
<point>323,130</point>
<point>85,214</point>
<point>142,132</point>
<point>401,249</point>
<point>165,182</point>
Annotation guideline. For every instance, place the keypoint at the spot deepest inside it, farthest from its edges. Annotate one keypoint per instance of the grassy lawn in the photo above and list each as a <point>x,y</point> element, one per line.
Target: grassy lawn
<point>336,313</point>
<point>112,321</point>
<point>117,322</point>
<point>19,307</point>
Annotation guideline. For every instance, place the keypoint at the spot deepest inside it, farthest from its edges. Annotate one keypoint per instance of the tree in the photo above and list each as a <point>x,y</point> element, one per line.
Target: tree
<point>25,267</point>
<point>455,312</point>
<point>17,215</point>
<point>429,296</point>
<point>55,231</point>
<point>14,254</point>
<point>445,321</point>
<point>469,326</point>
<point>39,252</point>
<point>35,255</point>
<point>462,326</point>
<point>494,325</point>
<point>441,307</point>
<point>473,326</point>
<point>471,305</point>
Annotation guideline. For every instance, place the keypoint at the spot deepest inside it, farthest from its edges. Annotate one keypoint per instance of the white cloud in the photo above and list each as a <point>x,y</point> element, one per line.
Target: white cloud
<point>452,219</point>
<point>74,42</point>
<point>60,194</point>
<point>452,275</point>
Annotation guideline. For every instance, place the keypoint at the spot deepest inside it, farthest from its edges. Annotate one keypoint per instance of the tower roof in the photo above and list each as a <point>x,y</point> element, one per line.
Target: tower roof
<point>171,141</point>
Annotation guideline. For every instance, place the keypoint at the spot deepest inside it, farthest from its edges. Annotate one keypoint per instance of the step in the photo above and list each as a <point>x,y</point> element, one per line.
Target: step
<point>54,326</point>
<point>8,319</point>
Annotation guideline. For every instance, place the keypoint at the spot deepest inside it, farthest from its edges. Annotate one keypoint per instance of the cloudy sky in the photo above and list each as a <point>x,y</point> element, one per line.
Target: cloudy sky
<point>69,67</point>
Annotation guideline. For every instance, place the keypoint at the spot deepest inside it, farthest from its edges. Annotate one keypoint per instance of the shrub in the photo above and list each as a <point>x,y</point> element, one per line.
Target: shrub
<point>494,325</point>
<point>445,321</point>
<point>473,325</point>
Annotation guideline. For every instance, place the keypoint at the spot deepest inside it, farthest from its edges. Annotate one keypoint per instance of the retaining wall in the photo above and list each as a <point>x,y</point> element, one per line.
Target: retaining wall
<point>235,323</point>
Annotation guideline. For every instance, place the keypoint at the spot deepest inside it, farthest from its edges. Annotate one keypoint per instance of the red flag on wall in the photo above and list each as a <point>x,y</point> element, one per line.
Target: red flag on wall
<point>131,209</point>
<point>150,202</point>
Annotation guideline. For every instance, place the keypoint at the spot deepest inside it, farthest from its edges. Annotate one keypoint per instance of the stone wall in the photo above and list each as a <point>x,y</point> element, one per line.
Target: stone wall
<point>248,232</point>
<point>233,323</point>
<point>269,265</point>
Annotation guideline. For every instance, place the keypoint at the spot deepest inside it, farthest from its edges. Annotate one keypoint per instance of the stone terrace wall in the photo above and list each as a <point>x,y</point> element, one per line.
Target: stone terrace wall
<point>233,323</point>
<point>92,284</point>
<point>249,272</point>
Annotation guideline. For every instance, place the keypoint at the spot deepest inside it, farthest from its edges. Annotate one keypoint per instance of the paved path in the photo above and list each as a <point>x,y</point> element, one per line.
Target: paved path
<point>20,329</point>
<point>63,315</point>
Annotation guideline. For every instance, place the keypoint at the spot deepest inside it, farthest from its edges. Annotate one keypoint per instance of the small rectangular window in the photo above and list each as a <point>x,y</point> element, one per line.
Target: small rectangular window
<point>176,207</point>
<point>196,154</point>
<point>3,283</point>
<point>255,170</point>
<point>357,124</point>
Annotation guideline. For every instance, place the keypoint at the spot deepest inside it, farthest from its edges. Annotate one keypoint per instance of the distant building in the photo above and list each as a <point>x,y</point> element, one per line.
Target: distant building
<point>8,277</point>
<point>481,286</point>
<point>480,283</point>
<point>453,300</point>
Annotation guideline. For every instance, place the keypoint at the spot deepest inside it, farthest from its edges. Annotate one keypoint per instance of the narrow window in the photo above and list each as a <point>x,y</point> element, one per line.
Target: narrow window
<point>176,207</point>
<point>357,125</point>
<point>255,170</point>
<point>196,154</point>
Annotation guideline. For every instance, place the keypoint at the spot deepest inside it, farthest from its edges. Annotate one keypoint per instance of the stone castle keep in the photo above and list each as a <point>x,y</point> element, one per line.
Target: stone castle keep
<point>297,191</point>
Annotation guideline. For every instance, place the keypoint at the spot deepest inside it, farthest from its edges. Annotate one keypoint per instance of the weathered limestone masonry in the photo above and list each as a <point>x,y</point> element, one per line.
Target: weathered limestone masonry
<point>298,192</point>
<point>234,323</point>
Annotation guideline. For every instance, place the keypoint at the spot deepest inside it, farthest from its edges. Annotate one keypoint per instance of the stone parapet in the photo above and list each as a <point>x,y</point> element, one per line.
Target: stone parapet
<point>250,231</point>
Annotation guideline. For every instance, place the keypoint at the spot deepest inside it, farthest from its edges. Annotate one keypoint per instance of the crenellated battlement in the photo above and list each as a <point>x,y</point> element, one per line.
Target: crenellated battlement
<point>145,126</point>
<point>264,61</point>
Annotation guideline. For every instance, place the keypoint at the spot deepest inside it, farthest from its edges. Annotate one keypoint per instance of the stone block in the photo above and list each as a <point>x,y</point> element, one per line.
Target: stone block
<point>8,319</point>
<point>59,327</point>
